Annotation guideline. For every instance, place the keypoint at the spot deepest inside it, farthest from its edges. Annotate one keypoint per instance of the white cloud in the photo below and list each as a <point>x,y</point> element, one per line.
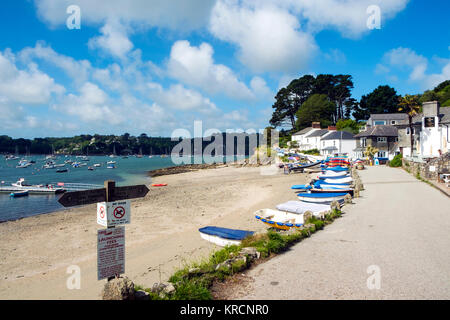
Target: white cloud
<point>172,14</point>
<point>269,38</point>
<point>78,70</point>
<point>177,97</point>
<point>406,59</point>
<point>114,40</point>
<point>195,66</point>
<point>91,105</point>
<point>29,86</point>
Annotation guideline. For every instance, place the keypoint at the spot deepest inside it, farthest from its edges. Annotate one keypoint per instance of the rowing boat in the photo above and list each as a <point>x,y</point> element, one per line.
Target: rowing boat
<point>224,236</point>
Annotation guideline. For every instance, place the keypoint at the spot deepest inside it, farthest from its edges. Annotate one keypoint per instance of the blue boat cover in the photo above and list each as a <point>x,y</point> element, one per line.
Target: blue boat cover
<point>319,182</point>
<point>336,169</point>
<point>321,195</point>
<point>232,234</point>
<point>301,186</point>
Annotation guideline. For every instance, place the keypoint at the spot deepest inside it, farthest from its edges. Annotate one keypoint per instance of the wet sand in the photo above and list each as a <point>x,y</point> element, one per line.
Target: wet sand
<point>162,237</point>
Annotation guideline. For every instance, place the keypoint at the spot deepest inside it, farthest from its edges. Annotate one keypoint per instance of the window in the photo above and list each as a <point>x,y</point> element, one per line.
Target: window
<point>407,131</point>
<point>382,139</point>
<point>393,122</point>
<point>379,122</point>
<point>381,154</point>
<point>396,139</point>
<point>363,142</point>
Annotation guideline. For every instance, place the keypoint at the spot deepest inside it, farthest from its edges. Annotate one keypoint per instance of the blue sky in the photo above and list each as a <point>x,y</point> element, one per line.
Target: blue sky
<point>156,66</point>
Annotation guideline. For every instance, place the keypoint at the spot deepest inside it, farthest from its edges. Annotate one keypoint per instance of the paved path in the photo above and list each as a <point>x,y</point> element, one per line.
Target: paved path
<point>400,225</point>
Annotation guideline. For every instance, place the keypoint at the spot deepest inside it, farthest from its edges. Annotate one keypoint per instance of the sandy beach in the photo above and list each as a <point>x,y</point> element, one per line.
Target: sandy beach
<point>162,237</point>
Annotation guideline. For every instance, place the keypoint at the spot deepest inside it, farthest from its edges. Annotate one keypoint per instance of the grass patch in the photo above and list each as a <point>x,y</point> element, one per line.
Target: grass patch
<point>193,282</point>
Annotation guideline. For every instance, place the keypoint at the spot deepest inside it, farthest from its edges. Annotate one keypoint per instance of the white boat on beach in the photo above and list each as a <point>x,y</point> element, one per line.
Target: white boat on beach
<point>339,180</point>
<point>279,219</point>
<point>300,207</point>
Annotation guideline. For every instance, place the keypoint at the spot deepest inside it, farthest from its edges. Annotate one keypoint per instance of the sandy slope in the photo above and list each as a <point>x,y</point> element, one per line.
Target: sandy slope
<point>35,252</point>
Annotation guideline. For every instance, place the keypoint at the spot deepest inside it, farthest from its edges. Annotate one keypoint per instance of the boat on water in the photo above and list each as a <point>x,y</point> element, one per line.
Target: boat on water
<point>111,166</point>
<point>326,197</point>
<point>279,219</point>
<point>22,185</point>
<point>111,162</point>
<point>224,236</point>
<point>62,170</point>
<point>18,194</point>
<point>97,165</point>
<point>24,164</point>
<point>91,168</point>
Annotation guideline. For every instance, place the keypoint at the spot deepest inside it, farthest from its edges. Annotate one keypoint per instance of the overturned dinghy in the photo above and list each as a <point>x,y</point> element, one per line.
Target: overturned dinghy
<point>326,197</point>
<point>279,219</point>
<point>332,190</point>
<point>301,207</point>
<point>224,236</point>
<point>340,180</point>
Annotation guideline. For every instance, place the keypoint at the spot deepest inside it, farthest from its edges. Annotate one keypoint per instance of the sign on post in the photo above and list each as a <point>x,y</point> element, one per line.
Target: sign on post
<point>78,198</point>
<point>110,214</point>
<point>110,252</point>
<point>113,209</point>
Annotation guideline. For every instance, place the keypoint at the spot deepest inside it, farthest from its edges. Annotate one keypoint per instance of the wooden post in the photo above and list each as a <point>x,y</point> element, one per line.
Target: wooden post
<point>109,186</point>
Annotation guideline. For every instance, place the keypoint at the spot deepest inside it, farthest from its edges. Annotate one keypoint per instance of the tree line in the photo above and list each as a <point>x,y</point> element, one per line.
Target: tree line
<point>327,99</point>
<point>126,144</point>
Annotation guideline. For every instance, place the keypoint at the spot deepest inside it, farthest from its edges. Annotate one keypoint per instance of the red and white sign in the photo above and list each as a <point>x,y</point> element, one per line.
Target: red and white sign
<point>110,252</point>
<point>110,214</point>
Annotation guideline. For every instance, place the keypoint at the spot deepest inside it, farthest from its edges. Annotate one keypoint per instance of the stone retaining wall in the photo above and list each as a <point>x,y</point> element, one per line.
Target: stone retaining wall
<point>425,169</point>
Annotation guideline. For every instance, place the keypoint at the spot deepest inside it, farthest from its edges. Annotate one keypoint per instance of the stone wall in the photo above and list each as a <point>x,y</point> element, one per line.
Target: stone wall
<point>441,165</point>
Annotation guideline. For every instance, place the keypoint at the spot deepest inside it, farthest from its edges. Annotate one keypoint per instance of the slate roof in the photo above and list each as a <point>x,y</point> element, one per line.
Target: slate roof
<point>303,131</point>
<point>336,135</point>
<point>389,116</point>
<point>318,133</point>
<point>379,131</point>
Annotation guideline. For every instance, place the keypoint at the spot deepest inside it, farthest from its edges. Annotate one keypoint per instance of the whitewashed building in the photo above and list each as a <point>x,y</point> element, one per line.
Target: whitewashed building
<point>337,142</point>
<point>434,134</point>
<point>300,137</point>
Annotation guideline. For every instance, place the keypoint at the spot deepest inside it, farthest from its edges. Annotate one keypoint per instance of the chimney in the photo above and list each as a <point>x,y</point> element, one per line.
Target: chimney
<point>331,128</point>
<point>316,125</point>
<point>430,109</point>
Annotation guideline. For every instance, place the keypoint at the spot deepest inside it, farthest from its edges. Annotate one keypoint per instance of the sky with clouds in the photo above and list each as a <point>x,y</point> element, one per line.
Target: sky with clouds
<point>153,66</point>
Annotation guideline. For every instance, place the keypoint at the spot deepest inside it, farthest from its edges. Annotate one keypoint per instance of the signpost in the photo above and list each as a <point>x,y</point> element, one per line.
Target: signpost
<point>113,209</point>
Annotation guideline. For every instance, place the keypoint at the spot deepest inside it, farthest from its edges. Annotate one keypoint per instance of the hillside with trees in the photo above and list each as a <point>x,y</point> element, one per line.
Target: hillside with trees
<point>328,99</point>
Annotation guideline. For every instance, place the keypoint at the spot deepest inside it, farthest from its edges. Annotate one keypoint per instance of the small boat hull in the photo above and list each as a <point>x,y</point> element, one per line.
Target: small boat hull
<point>224,236</point>
<point>19,194</point>
<point>279,219</point>
<point>325,197</point>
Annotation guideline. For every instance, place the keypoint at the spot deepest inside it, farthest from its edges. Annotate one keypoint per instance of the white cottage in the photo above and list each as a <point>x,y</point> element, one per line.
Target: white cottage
<point>337,142</point>
<point>434,135</point>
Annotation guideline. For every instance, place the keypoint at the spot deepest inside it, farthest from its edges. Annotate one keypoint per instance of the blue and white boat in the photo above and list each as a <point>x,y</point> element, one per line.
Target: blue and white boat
<point>18,194</point>
<point>224,236</point>
<point>325,197</point>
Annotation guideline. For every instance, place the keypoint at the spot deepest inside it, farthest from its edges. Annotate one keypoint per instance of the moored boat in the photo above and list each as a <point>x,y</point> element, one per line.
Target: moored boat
<point>18,194</point>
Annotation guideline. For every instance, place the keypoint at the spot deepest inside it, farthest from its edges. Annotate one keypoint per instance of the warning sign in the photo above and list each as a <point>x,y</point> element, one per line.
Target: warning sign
<point>110,214</point>
<point>110,252</point>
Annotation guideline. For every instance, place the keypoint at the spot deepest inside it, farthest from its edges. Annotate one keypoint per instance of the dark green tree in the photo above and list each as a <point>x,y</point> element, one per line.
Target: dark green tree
<point>383,99</point>
<point>319,108</point>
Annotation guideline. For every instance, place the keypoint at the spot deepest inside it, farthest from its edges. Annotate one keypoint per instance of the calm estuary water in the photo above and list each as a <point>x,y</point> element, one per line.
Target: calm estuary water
<point>131,170</point>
